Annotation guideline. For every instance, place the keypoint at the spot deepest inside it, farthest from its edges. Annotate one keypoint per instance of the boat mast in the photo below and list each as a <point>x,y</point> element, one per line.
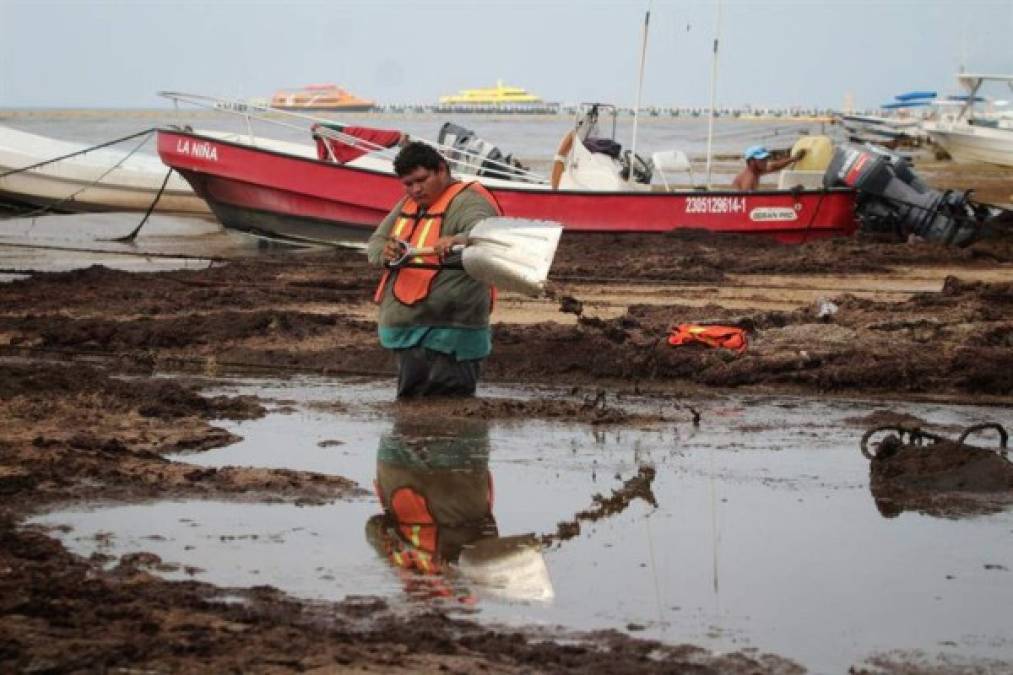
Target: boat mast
<point>640,86</point>
<point>714,80</point>
<point>973,84</point>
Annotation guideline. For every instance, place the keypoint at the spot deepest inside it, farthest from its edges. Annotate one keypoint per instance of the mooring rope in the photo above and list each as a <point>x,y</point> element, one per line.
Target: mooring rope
<point>129,238</point>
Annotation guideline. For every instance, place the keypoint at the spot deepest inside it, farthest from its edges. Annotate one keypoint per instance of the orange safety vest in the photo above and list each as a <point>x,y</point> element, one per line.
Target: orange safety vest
<point>411,285</point>
<point>726,337</point>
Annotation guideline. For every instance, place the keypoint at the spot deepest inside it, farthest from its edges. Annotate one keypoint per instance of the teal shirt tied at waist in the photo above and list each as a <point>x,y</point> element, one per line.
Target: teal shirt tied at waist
<point>464,344</point>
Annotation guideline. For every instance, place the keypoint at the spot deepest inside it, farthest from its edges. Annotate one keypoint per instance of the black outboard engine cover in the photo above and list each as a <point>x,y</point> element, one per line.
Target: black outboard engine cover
<point>605,146</point>
<point>476,156</point>
<point>891,197</point>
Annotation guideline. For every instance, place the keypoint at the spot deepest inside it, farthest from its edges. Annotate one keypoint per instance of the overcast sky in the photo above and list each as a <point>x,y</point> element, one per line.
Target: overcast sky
<point>90,53</point>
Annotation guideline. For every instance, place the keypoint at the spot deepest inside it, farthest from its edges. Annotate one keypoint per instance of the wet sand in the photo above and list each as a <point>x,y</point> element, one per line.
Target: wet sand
<point>89,416</point>
<point>897,320</point>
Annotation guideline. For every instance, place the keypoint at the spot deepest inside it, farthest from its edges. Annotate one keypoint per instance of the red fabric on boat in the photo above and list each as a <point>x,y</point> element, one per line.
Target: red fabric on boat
<point>342,152</point>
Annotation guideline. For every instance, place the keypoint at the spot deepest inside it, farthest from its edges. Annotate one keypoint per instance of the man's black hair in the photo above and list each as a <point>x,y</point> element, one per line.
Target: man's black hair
<point>417,154</point>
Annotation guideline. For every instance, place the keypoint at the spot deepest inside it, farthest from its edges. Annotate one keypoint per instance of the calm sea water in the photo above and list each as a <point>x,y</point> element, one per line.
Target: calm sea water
<point>531,138</point>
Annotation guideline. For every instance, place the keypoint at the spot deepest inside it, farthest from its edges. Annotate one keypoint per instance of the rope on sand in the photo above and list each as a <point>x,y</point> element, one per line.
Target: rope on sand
<point>129,238</point>
<point>103,251</point>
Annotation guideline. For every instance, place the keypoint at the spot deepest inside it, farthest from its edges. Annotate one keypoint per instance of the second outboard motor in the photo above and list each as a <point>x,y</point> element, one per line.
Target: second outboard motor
<point>477,156</point>
<point>892,198</point>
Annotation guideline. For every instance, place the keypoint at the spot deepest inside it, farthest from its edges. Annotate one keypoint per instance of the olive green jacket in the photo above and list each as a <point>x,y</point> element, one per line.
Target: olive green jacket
<point>455,299</point>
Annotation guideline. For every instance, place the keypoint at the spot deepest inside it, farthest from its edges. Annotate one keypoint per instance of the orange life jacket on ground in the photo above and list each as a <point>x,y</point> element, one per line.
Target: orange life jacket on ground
<point>725,337</point>
<point>411,285</point>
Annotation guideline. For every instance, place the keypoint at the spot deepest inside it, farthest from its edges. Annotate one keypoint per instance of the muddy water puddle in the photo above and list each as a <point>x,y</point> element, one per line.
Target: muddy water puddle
<point>756,528</point>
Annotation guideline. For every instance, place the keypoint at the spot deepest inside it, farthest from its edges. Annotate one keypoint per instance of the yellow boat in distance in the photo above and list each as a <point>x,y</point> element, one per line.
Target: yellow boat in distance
<point>320,97</point>
<point>499,99</point>
<point>499,95</point>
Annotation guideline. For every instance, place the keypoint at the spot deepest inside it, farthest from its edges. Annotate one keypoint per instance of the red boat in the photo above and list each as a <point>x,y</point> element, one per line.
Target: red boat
<point>286,195</point>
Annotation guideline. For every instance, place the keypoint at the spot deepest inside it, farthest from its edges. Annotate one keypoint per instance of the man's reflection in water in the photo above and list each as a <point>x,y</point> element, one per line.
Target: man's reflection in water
<point>435,487</point>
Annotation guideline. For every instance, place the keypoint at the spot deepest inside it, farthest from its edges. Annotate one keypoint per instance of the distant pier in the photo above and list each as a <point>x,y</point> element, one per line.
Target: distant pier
<point>765,113</point>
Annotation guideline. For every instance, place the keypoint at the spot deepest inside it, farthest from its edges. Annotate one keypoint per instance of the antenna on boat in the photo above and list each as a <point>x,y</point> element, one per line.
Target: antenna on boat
<point>963,47</point>
<point>714,81</point>
<point>640,87</point>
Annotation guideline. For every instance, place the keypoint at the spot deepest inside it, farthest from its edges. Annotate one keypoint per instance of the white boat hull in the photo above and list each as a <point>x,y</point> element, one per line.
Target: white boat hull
<point>971,143</point>
<point>78,183</point>
<point>57,191</point>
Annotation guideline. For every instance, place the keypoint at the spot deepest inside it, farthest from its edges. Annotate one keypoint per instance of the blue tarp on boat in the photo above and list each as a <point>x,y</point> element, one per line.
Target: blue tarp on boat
<point>915,95</point>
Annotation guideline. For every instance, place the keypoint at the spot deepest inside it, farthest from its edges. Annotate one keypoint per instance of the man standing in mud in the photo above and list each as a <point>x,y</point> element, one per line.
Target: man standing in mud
<point>759,163</point>
<point>434,318</point>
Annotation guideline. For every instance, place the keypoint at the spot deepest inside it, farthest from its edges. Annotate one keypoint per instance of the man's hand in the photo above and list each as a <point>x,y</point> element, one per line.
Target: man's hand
<point>444,244</point>
<point>798,155</point>
<point>392,249</point>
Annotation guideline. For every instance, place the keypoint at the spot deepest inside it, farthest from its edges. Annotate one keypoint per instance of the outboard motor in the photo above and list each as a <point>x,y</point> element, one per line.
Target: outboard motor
<point>643,170</point>
<point>477,156</point>
<point>892,198</point>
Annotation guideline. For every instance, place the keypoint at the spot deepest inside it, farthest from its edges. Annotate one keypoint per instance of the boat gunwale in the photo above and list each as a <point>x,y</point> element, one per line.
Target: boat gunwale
<point>616,193</point>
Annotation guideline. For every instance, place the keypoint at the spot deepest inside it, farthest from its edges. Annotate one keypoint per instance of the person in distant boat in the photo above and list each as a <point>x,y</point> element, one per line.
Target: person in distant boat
<point>758,163</point>
<point>435,320</point>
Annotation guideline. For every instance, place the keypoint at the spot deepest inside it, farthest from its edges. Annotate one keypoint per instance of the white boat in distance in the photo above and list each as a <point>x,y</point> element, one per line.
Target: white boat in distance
<point>973,138</point>
<point>898,124</point>
<point>881,129</point>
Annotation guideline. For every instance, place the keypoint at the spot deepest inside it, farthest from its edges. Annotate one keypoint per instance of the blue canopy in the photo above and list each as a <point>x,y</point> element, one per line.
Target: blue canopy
<point>903,104</point>
<point>915,95</point>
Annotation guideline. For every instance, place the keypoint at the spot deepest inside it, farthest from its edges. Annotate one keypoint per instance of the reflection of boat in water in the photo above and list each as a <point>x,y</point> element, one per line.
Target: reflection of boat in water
<point>107,179</point>
<point>251,188</point>
<point>437,527</point>
<point>320,97</point>
<point>970,137</point>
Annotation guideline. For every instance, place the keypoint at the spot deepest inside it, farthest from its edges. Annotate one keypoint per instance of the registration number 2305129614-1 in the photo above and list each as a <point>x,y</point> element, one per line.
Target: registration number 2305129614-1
<point>715,204</point>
